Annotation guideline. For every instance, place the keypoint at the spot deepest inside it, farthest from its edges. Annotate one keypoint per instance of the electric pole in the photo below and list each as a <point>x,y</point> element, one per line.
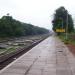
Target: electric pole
<point>66,25</point>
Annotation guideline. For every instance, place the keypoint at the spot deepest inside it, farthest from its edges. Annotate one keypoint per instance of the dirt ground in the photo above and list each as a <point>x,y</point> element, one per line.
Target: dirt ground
<point>71,48</point>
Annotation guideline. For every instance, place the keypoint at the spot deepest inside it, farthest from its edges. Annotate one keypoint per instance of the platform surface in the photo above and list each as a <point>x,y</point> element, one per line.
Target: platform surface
<point>50,57</point>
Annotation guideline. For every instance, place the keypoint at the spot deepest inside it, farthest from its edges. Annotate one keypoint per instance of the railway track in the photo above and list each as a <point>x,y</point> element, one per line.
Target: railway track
<point>7,61</point>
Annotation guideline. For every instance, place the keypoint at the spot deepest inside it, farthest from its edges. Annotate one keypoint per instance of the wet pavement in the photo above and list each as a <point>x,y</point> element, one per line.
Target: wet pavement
<point>50,57</point>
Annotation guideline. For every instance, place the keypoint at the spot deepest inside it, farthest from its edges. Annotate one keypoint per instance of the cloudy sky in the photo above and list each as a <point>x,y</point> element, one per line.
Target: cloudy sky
<point>36,12</point>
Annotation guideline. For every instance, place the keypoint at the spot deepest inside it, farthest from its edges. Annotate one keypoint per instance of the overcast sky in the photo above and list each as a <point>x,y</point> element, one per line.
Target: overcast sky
<point>36,12</point>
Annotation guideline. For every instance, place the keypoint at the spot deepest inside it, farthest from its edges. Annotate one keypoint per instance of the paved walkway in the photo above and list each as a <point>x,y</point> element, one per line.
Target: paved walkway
<point>50,57</point>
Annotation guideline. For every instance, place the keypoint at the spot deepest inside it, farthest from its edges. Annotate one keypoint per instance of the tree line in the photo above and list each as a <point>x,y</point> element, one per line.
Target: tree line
<point>11,27</point>
<point>63,20</point>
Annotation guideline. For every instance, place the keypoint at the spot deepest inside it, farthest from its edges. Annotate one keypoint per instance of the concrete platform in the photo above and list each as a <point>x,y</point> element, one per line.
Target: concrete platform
<point>50,57</point>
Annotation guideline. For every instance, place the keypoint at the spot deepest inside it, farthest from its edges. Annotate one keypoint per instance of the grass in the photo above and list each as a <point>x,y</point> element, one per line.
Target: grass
<point>69,40</point>
<point>12,49</point>
<point>8,50</point>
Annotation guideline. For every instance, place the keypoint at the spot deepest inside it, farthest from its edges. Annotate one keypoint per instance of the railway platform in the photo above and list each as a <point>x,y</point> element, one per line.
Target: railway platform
<point>50,57</point>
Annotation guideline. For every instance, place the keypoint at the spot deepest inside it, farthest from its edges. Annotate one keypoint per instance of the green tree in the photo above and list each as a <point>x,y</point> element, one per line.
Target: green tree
<point>60,20</point>
<point>10,27</point>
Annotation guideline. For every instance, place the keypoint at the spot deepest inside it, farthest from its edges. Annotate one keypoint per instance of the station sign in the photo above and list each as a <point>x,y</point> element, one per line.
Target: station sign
<point>60,30</point>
